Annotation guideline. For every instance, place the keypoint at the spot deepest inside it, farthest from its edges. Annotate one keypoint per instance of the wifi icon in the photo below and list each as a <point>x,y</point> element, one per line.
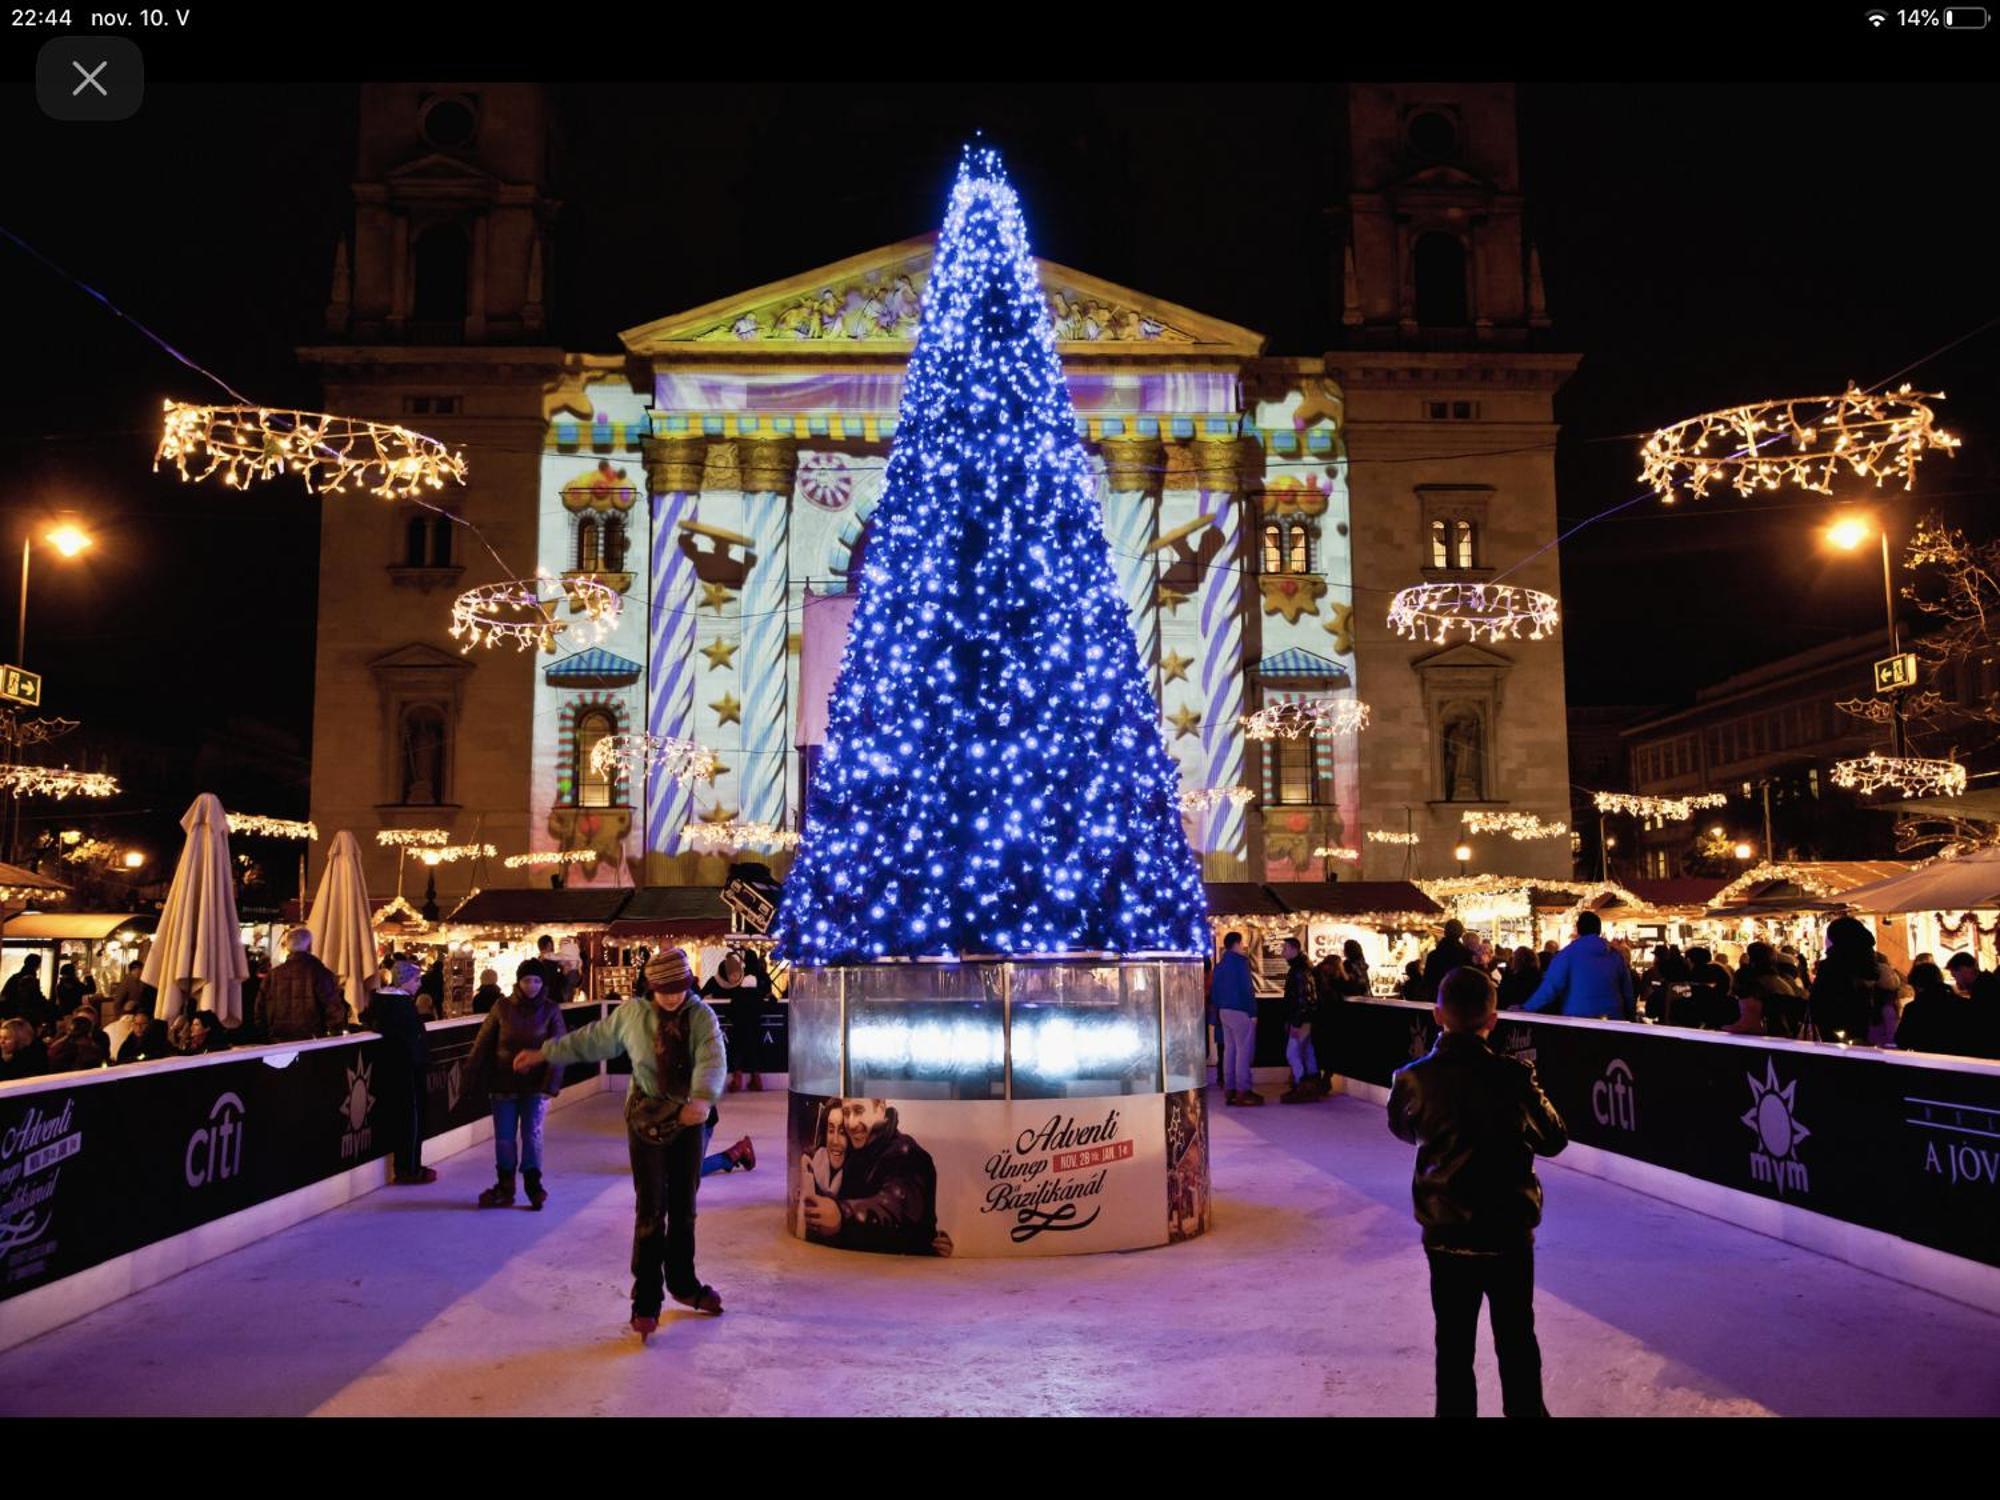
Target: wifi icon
<point>1878,18</point>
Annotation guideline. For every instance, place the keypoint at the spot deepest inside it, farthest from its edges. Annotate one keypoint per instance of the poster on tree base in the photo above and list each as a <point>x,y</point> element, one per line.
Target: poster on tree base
<point>996,1177</point>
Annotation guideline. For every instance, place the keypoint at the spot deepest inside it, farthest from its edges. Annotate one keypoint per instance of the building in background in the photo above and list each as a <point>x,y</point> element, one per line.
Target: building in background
<point>720,468</point>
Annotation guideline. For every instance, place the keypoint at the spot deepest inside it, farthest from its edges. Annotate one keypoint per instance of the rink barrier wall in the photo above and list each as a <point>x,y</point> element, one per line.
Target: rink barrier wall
<point>1886,1160</point>
<point>114,1180</point>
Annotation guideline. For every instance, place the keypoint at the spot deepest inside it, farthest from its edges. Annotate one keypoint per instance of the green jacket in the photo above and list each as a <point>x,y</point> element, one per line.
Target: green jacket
<point>633,1029</point>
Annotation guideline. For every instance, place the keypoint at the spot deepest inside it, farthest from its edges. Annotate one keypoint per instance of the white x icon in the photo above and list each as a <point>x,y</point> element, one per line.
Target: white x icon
<point>90,78</point>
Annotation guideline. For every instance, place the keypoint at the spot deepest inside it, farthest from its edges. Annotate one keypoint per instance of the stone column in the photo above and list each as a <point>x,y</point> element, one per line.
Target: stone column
<point>768,466</point>
<point>1134,470</point>
<point>673,485</point>
<point>1225,834</point>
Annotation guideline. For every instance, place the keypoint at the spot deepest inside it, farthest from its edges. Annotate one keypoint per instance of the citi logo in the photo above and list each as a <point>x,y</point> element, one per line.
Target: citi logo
<point>1613,1100</point>
<point>215,1150</point>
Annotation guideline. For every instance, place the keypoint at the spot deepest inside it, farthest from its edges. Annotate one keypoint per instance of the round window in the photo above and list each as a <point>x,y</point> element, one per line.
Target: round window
<point>449,122</point>
<point>1433,134</point>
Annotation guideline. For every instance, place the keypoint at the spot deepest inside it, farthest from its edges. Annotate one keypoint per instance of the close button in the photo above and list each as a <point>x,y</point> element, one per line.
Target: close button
<point>90,78</point>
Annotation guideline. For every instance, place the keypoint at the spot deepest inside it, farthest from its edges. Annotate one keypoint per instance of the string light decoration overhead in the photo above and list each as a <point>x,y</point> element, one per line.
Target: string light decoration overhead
<point>452,854</point>
<point>330,454</point>
<point>1207,798</point>
<point>1911,776</point>
<point>526,611</point>
<point>400,911</point>
<point>413,838</point>
<point>1665,809</point>
<point>59,783</point>
<point>1493,611</point>
<point>90,851</point>
<point>1515,825</point>
<point>713,838</point>
<point>1808,441</point>
<point>1385,836</point>
<point>15,730</point>
<point>274,828</point>
<point>676,759</point>
<point>552,857</point>
<point>1291,721</point>
<point>1326,851</point>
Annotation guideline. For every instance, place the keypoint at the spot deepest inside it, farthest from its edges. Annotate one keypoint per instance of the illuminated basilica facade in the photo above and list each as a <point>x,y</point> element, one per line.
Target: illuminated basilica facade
<point>719,471</point>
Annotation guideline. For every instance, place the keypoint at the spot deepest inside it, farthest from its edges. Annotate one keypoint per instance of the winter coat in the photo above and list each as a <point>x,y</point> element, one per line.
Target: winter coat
<point>1478,1121</point>
<point>1301,995</point>
<point>488,996</point>
<point>147,1042</point>
<point>31,1061</point>
<point>515,1025</point>
<point>633,1029</point>
<point>1231,988</point>
<point>22,998</point>
<point>393,1014</point>
<point>1782,996</point>
<point>1844,995</point>
<point>1449,954</point>
<point>1588,978</point>
<point>888,1197</point>
<point>1939,1019</point>
<point>299,1000</point>
<point>1518,986</point>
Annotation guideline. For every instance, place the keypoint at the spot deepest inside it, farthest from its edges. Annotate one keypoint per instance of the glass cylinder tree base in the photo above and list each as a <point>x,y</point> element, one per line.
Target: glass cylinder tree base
<point>999,1107</point>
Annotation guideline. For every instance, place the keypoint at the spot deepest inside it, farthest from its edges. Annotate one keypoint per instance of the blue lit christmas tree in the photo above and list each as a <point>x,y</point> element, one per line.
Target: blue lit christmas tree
<point>994,780</point>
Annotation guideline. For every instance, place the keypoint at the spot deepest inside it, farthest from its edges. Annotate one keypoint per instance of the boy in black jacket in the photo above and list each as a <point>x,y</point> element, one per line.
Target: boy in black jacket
<point>1478,1120</point>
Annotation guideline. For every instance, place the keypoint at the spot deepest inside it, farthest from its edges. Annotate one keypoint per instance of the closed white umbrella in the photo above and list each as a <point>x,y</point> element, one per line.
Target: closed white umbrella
<point>1968,883</point>
<point>197,960</point>
<point>343,935</point>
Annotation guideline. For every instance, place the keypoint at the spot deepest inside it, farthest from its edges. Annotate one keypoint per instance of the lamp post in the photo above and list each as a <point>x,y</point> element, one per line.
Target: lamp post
<point>1847,534</point>
<point>1463,854</point>
<point>68,539</point>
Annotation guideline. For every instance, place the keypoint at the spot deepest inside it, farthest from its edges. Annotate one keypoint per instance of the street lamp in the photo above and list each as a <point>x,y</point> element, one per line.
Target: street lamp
<point>69,540</point>
<point>134,859</point>
<point>1744,851</point>
<point>1848,534</point>
<point>1463,854</point>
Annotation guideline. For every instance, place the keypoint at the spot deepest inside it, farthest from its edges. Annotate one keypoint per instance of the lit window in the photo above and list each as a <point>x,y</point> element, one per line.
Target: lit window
<point>1439,557</point>
<point>589,546</point>
<point>593,787</point>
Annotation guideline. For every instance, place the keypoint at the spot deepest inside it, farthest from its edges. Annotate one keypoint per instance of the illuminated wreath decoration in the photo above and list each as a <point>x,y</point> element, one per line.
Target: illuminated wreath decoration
<point>710,838</point>
<point>1384,836</point>
<point>329,453</point>
<point>524,611</point>
<point>1327,716</point>
<point>679,760</point>
<point>1807,441</point>
<point>45,781</point>
<point>1908,775</point>
<point>552,857</point>
<point>1205,799</point>
<point>1514,825</point>
<point>275,828</point>
<point>1497,611</point>
<point>1666,809</point>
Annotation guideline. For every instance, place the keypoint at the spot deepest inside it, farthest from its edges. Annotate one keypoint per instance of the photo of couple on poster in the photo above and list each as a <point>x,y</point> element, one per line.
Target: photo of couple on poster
<point>865,1184</point>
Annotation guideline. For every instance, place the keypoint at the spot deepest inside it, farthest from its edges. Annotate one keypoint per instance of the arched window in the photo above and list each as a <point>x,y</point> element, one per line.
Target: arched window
<point>1453,543</point>
<point>441,528</point>
<point>1439,271</point>
<point>589,546</point>
<point>423,761</point>
<point>443,261</point>
<point>593,787</point>
<point>1288,546</point>
<point>615,545</point>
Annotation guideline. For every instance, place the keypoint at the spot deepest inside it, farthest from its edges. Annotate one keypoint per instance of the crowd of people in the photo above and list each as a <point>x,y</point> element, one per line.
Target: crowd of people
<point>1851,993</point>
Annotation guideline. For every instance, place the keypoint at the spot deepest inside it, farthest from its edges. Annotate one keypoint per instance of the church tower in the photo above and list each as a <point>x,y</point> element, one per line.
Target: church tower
<point>435,320</point>
<point>1449,390</point>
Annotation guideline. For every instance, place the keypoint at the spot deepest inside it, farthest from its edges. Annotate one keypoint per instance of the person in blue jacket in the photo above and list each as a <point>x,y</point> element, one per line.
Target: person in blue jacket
<point>1588,978</point>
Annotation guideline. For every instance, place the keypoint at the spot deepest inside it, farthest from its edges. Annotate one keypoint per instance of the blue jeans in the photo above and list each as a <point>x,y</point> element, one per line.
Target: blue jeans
<point>1239,1046</point>
<point>719,1161</point>
<point>520,1114</point>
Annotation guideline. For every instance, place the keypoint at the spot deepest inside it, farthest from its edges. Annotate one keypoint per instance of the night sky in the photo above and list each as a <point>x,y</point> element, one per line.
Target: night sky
<point>1702,245</point>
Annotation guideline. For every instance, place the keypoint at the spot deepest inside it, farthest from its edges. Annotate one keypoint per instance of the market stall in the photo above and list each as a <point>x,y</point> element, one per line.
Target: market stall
<point>1791,905</point>
<point>1947,906</point>
<point>100,944</point>
<point>1392,920</point>
<point>497,930</point>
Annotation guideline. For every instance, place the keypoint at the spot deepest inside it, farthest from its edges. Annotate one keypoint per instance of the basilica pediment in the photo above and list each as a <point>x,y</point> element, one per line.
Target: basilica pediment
<point>1463,655</point>
<point>418,657</point>
<point>874,302</point>
<point>435,175</point>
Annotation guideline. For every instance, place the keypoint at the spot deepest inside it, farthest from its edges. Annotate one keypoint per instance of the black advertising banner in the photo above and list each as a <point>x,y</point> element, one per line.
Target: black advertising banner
<point>1911,1150</point>
<point>97,1170</point>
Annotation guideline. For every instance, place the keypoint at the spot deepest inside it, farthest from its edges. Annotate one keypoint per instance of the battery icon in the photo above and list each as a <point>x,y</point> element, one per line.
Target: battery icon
<point>1966,18</point>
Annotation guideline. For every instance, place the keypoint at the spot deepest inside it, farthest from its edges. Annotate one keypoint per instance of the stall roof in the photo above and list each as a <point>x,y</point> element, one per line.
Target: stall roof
<point>1687,891</point>
<point>529,908</point>
<point>27,880</point>
<point>1808,885</point>
<point>78,926</point>
<point>1241,898</point>
<point>1352,898</point>
<point>694,910</point>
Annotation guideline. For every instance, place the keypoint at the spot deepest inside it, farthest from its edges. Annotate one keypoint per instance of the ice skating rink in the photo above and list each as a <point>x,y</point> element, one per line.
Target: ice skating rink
<point>1308,1298</point>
